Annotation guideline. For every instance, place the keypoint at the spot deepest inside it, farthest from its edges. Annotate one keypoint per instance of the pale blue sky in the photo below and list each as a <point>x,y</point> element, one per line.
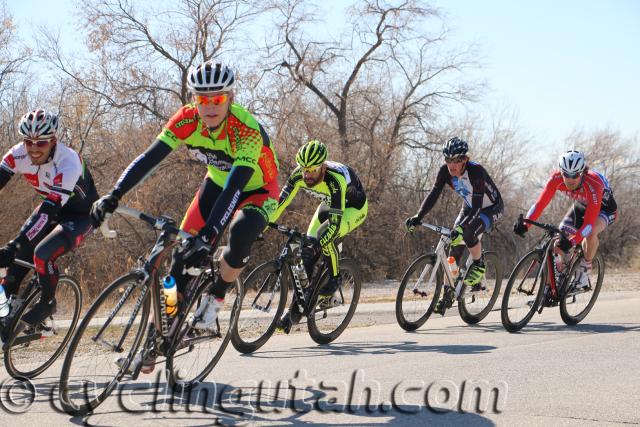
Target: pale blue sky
<point>559,64</point>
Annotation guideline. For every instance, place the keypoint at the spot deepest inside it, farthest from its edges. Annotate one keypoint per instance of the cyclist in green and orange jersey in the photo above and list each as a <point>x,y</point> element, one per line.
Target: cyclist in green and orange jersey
<point>240,189</point>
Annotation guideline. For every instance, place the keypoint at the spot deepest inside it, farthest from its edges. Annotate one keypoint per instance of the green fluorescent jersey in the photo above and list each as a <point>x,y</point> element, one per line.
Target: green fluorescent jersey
<point>239,141</point>
<point>340,188</point>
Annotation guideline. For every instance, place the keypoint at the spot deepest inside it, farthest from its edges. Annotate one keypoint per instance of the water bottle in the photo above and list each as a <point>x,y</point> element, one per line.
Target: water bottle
<point>170,295</point>
<point>453,266</point>
<point>4,303</point>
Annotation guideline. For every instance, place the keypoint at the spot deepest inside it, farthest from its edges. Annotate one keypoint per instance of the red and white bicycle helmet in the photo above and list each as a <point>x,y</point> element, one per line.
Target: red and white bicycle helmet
<point>38,124</point>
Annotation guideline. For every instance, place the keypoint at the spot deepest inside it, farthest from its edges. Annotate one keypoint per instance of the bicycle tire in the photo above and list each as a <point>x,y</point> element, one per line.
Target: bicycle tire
<point>567,317</point>
<point>132,281</point>
<point>240,341</point>
<point>418,265</point>
<point>347,266</point>
<point>491,260</point>
<point>185,327</point>
<point>523,297</point>
<point>10,355</point>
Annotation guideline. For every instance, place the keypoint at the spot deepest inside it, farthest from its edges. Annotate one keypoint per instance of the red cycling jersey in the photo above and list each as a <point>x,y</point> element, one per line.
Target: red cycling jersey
<point>589,194</point>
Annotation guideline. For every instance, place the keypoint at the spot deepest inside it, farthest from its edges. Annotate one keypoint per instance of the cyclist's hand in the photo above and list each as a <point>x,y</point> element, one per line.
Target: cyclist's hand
<point>195,250</point>
<point>520,228</point>
<point>7,255</point>
<point>412,222</point>
<point>310,250</point>
<point>564,244</point>
<point>456,235</point>
<point>103,206</point>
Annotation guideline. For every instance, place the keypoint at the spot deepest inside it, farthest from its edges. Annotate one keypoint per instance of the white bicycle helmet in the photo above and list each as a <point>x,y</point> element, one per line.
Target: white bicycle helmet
<point>211,76</point>
<point>572,163</point>
<point>38,124</point>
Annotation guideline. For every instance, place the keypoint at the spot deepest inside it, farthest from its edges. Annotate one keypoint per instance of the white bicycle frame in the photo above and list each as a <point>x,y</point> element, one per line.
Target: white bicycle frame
<point>441,258</point>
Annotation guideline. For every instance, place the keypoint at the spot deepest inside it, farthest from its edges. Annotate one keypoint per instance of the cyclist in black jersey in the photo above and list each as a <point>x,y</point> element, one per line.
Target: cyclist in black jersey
<point>482,205</point>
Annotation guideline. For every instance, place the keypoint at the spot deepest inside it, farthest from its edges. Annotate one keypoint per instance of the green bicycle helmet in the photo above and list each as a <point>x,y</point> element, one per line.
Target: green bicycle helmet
<point>311,154</point>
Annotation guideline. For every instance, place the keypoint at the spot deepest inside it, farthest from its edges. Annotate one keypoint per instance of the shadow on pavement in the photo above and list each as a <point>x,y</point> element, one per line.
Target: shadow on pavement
<point>370,348</point>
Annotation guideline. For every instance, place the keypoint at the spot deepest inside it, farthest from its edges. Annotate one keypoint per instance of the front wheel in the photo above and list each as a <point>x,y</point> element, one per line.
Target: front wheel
<point>104,344</point>
<point>419,291</point>
<point>475,306</point>
<point>524,291</point>
<point>329,317</point>
<point>31,350</point>
<point>264,300</point>
<point>195,352</point>
<point>578,300</point>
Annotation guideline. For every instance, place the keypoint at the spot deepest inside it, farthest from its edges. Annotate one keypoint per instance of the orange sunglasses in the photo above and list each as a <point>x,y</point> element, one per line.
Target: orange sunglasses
<point>215,99</point>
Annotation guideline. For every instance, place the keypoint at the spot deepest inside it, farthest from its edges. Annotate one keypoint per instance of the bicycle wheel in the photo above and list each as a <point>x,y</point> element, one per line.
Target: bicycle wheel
<point>524,291</point>
<point>31,350</point>
<point>112,328</point>
<point>418,295</point>
<point>475,306</point>
<point>194,353</point>
<point>264,300</point>
<point>575,304</point>
<point>330,317</point>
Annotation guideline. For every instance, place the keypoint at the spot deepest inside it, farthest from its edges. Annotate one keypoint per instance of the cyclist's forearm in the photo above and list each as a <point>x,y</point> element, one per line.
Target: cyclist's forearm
<point>142,167</point>
<point>227,202</point>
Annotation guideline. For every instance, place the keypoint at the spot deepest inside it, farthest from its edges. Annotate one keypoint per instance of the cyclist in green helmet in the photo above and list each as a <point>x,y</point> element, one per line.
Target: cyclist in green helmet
<point>343,208</point>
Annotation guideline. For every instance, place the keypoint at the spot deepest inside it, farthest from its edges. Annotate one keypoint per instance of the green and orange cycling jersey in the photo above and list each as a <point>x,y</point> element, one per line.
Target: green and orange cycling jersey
<point>240,141</point>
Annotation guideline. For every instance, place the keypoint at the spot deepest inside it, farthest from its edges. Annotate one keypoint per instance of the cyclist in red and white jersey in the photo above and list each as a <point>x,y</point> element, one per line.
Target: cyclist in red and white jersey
<point>593,211</point>
<point>60,222</point>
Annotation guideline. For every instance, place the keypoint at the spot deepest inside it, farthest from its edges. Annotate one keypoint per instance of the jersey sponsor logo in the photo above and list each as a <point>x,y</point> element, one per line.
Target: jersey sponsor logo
<point>333,188</point>
<point>324,197</point>
<point>246,159</point>
<point>183,122</point>
<point>39,225</point>
<point>231,208</point>
<point>211,159</point>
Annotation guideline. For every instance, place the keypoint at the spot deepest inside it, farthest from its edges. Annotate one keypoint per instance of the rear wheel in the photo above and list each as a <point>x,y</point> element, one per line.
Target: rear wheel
<point>578,301</point>
<point>264,300</point>
<point>31,350</point>
<point>418,293</point>
<point>475,306</point>
<point>523,292</point>
<point>111,330</point>
<point>329,317</point>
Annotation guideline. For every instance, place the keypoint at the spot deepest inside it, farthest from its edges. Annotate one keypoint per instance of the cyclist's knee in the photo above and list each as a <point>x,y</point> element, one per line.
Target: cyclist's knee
<point>470,236</point>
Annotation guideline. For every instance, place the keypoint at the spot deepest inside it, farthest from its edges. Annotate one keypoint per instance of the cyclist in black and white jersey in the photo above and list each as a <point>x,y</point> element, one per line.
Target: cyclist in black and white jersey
<point>482,205</point>
<point>60,222</point>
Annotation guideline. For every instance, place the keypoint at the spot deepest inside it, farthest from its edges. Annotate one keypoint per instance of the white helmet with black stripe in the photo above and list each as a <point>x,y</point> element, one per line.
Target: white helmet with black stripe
<point>211,76</point>
<point>572,163</point>
<point>38,124</point>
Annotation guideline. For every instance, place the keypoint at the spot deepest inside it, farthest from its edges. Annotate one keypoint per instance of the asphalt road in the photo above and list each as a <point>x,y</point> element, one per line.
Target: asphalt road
<point>549,374</point>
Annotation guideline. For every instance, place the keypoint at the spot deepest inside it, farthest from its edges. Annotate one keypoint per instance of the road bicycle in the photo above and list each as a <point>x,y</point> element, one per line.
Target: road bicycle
<point>538,282</point>
<point>112,333</point>
<point>30,350</point>
<point>265,296</point>
<point>428,276</point>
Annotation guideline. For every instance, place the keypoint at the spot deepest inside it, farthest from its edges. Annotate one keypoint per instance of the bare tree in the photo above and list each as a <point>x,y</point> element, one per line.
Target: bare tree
<point>141,52</point>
